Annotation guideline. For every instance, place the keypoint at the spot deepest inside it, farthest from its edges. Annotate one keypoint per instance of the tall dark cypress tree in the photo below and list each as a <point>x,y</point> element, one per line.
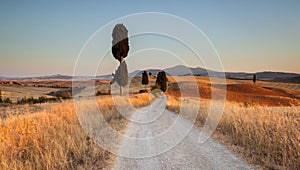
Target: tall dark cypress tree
<point>145,79</point>
<point>158,79</point>
<point>120,48</point>
<point>161,81</point>
<point>254,78</point>
<point>164,81</point>
<point>120,44</point>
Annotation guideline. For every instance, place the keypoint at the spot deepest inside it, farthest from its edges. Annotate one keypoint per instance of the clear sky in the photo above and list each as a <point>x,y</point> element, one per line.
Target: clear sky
<point>45,37</point>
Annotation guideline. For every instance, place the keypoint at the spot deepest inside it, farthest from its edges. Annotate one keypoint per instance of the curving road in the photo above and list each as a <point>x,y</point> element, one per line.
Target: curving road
<point>156,139</point>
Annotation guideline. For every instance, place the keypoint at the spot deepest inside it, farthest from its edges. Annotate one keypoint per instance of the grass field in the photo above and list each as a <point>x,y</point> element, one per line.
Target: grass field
<point>15,92</point>
<point>262,124</point>
<point>53,138</point>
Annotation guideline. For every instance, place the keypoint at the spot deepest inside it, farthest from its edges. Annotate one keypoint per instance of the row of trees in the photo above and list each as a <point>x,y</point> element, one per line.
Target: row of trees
<point>32,100</point>
<point>120,49</point>
<point>160,83</point>
<point>51,86</point>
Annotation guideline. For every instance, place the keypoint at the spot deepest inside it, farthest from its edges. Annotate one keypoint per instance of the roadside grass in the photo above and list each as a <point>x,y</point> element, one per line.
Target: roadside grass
<point>52,138</point>
<point>264,136</point>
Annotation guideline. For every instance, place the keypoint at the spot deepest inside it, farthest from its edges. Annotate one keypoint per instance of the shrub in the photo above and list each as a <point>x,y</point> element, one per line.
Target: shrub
<point>66,95</point>
<point>98,93</point>
<point>7,100</point>
<point>143,91</point>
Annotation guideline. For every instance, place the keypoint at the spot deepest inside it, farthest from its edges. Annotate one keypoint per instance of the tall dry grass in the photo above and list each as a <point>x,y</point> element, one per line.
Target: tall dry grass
<point>266,136</point>
<point>54,139</point>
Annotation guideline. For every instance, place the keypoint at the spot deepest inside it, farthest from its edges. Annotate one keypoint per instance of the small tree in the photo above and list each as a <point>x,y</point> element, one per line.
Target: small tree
<point>158,80</point>
<point>161,81</point>
<point>164,81</point>
<point>254,78</point>
<point>120,48</point>
<point>145,79</point>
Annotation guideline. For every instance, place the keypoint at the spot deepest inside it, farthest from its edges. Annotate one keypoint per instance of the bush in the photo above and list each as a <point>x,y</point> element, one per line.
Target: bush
<point>7,100</point>
<point>98,93</point>
<point>40,100</point>
<point>66,95</point>
<point>143,91</point>
<point>156,86</point>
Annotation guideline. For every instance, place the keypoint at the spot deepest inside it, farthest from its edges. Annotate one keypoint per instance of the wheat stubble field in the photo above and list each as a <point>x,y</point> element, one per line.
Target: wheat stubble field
<point>260,123</point>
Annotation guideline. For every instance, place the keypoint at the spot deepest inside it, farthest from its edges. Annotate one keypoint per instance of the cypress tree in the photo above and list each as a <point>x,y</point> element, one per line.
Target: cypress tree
<point>120,45</point>
<point>145,79</point>
<point>158,80</point>
<point>161,81</point>
<point>120,48</point>
<point>254,78</point>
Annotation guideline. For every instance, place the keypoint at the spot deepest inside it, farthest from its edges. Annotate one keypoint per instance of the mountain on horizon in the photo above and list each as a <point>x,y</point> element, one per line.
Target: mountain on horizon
<point>180,70</point>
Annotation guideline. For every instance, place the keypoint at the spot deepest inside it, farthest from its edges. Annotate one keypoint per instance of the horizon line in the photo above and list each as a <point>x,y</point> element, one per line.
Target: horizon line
<point>59,74</point>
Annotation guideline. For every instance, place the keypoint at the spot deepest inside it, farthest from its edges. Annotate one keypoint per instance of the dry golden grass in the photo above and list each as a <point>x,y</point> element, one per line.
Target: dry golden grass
<point>266,136</point>
<point>54,139</point>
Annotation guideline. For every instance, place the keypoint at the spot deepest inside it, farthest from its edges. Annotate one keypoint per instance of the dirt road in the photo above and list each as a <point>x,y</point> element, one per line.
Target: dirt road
<point>156,139</point>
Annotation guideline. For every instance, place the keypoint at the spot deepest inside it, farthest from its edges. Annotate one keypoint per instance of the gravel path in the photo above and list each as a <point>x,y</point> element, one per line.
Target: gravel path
<point>159,141</point>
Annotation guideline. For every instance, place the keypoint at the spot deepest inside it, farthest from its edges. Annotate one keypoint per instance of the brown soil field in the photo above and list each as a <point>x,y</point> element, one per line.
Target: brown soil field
<point>261,93</point>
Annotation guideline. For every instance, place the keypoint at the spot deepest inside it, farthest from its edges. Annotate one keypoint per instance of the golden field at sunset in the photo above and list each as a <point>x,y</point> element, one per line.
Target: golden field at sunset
<point>53,138</point>
<point>263,130</point>
<point>150,85</point>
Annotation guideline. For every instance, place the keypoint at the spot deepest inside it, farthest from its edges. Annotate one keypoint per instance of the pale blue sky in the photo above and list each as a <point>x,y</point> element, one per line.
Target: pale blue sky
<point>45,37</point>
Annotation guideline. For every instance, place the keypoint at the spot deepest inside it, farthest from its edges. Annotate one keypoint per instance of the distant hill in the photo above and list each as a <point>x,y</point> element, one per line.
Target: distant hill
<point>275,75</point>
<point>289,80</point>
<point>266,75</point>
<point>48,77</point>
<point>178,70</point>
<point>57,76</point>
<point>181,70</point>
